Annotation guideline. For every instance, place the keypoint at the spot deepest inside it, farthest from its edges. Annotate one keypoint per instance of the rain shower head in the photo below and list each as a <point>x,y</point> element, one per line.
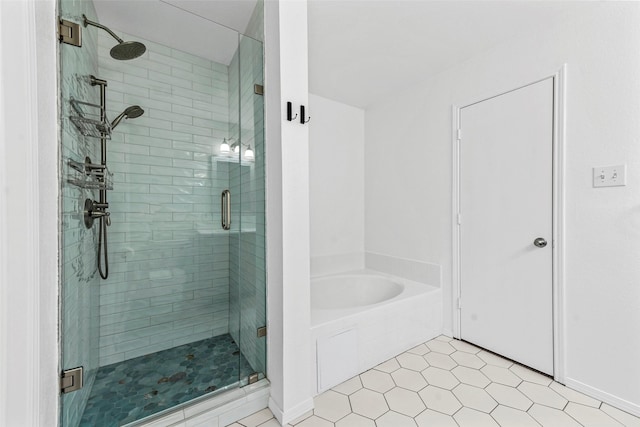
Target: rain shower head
<point>127,50</point>
<point>123,50</point>
<point>129,113</point>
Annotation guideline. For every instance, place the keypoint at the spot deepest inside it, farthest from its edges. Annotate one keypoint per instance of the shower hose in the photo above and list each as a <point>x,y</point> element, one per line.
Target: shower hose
<point>102,237</point>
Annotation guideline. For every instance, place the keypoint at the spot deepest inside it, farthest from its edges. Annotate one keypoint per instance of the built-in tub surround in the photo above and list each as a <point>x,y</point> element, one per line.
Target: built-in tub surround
<point>418,271</point>
<point>337,263</point>
<point>349,339</point>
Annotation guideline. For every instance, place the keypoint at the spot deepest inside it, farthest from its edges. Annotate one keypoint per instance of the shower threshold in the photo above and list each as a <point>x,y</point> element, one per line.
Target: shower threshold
<point>134,389</point>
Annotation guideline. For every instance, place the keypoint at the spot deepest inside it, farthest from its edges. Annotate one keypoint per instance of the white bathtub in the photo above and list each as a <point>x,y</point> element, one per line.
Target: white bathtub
<point>346,291</point>
<point>361,319</point>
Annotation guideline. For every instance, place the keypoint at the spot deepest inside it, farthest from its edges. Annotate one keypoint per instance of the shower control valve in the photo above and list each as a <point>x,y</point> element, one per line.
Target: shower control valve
<point>99,214</point>
<point>93,210</point>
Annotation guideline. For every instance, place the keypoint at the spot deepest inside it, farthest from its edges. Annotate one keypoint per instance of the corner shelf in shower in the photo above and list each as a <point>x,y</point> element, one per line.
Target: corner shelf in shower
<point>90,120</point>
<point>89,175</point>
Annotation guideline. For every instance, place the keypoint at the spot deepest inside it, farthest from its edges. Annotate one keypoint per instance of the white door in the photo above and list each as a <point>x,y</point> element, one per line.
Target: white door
<point>506,153</point>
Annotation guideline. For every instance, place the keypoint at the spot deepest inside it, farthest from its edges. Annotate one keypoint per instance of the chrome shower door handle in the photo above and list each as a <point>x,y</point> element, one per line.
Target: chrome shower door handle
<point>228,210</point>
<point>225,209</point>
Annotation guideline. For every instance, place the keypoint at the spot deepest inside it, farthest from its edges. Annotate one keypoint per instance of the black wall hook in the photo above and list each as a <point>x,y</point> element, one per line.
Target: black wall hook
<point>290,112</point>
<point>303,115</point>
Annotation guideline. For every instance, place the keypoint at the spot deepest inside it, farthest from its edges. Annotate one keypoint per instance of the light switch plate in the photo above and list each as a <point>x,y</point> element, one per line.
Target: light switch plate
<point>610,176</point>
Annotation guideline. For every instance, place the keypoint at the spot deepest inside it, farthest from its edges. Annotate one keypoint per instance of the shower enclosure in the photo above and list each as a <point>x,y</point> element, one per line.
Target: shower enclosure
<point>173,169</point>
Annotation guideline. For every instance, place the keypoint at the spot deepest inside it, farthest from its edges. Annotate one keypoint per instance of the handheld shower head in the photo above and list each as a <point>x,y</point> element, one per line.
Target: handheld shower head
<point>123,50</point>
<point>133,112</point>
<point>129,113</point>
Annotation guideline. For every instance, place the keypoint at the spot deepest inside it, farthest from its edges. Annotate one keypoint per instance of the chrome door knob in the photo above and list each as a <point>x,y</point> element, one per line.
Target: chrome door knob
<point>540,242</point>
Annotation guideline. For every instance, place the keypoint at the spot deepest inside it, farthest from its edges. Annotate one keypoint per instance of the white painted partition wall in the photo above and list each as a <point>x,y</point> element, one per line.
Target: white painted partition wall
<point>287,170</point>
<point>28,214</point>
<point>336,185</point>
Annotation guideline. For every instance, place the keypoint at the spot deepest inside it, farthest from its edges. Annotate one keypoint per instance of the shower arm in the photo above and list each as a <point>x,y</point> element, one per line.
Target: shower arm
<point>95,24</point>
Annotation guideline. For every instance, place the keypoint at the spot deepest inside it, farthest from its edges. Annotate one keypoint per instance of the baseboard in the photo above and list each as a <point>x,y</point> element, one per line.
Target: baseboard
<point>293,413</point>
<point>612,400</point>
<point>275,410</point>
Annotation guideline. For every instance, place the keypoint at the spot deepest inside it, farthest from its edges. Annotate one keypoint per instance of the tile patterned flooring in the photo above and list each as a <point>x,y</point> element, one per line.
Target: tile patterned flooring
<point>136,388</point>
<point>447,382</point>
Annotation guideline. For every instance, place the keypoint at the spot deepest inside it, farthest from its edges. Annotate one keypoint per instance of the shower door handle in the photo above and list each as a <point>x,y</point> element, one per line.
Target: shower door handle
<point>225,208</point>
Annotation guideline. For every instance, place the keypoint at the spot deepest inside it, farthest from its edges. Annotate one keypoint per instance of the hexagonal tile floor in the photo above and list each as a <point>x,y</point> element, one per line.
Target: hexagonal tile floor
<point>447,382</point>
<point>136,388</point>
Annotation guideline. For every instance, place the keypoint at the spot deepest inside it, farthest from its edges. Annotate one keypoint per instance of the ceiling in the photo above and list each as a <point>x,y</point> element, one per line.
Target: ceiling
<point>174,22</point>
<point>359,50</point>
<point>363,50</point>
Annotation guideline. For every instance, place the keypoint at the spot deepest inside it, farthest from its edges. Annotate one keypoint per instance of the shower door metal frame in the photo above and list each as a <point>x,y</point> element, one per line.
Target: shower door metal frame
<point>559,116</point>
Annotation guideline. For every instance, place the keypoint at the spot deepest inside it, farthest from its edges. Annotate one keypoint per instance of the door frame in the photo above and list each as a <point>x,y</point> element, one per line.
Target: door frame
<point>558,214</point>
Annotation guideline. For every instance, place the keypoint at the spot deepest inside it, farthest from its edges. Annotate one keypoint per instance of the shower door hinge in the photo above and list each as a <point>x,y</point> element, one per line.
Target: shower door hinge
<point>69,33</point>
<point>262,331</point>
<point>459,135</point>
<point>459,218</point>
<point>459,303</point>
<point>253,378</point>
<point>71,380</point>
<point>258,89</point>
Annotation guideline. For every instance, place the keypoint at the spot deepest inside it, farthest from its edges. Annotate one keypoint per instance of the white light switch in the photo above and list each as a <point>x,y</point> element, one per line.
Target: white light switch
<point>610,176</point>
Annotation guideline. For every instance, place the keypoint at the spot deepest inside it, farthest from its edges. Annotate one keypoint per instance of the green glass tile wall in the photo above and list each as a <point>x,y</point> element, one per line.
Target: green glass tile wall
<point>169,260</point>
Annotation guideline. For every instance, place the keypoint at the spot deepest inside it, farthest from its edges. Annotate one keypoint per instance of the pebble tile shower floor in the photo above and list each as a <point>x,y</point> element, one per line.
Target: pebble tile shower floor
<point>450,383</point>
<point>136,388</point>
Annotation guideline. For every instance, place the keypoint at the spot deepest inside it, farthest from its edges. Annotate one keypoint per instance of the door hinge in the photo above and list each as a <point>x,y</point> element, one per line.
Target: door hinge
<point>258,89</point>
<point>71,380</point>
<point>262,331</point>
<point>69,33</point>
<point>253,378</point>
<point>459,135</point>
<point>459,218</point>
<point>459,303</point>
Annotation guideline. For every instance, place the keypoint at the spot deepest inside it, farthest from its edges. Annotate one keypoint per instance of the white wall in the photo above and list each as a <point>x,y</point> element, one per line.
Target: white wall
<point>602,225</point>
<point>28,215</point>
<point>336,185</point>
<point>287,181</point>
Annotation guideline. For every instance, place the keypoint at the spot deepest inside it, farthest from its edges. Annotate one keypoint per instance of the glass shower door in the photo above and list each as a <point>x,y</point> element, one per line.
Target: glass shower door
<point>179,315</point>
<point>252,292</point>
<point>79,292</point>
<point>247,277</point>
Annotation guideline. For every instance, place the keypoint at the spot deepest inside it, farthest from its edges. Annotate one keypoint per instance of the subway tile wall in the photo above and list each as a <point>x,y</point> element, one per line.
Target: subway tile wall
<point>79,278</point>
<point>169,259</point>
